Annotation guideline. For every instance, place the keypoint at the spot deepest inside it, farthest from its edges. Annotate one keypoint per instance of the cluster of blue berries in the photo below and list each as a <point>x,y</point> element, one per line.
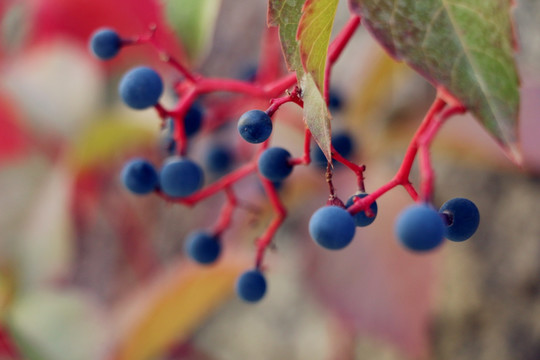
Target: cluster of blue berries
<point>178,177</point>
<point>419,228</point>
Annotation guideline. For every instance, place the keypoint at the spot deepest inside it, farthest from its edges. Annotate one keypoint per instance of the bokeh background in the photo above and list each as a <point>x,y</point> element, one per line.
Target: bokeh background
<point>89,271</point>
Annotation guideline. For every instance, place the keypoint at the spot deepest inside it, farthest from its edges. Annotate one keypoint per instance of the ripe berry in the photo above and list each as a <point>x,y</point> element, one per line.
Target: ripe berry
<point>193,120</point>
<point>105,44</point>
<point>219,159</point>
<point>139,176</point>
<point>274,164</point>
<point>248,73</point>
<point>332,227</point>
<point>251,286</point>
<point>335,101</point>
<point>420,228</point>
<point>463,218</point>
<point>342,143</point>
<point>255,126</point>
<point>361,218</point>
<point>203,247</point>
<point>141,88</point>
<point>180,177</point>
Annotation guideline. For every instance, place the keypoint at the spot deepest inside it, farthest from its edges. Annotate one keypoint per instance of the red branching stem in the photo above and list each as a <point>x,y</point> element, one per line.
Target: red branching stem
<point>277,87</point>
<point>207,85</point>
<point>276,103</point>
<point>215,187</point>
<point>270,58</point>
<point>402,176</point>
<point>335,50</point>
<point>305,159</point>
<point>343,38</point>
<point>358,170</point>
<point>424,143</point>
<point>162,112</point>
<point>178,114</point>
<point>142,39</point>
<point>412,191</point>
<point>225,217</point>
<point>266,239</point>
<point>405,168</point>
<point>190,76</point>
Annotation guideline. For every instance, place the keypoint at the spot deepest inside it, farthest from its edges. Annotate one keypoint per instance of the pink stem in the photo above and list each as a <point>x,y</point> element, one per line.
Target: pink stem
<point>402,176</point>
<point>214,188</point>
<point>225,217</point>
<point>306,158</point>
<point>335,50</point>
<point>266,238</point>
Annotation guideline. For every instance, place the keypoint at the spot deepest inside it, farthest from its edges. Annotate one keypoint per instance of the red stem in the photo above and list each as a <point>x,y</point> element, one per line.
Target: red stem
<point>266,238</point>
<point>162,112</point>
<point>215,187</point>
<point>190,76</point>
<point>424,143</point>
<point>402,176</point>
<point>275,104</point>
<point>335,50</point>
<point>225,217</point>
<point>270,59</point>
<point>306,158</point>
<point>358,170</point>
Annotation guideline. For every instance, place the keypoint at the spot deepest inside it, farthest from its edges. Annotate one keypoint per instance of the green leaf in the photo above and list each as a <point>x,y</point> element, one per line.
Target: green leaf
<point>14,26</point>
<point>316,114</point>
<point>286,15</point>
<point>54,324</point>
<point>465,47</point>
<point>313,34</point>
<point>194,22</point>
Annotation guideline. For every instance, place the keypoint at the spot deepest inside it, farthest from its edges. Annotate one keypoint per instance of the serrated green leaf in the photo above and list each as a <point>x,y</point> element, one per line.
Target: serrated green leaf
<point>286,15</point>
<point>194,22</point>
<point>465,47</point>
<point>316,114</point>
<point>313,34</point>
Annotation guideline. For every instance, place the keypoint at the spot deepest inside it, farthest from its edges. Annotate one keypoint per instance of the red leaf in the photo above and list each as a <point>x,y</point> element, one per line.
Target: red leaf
<point>13,140</point>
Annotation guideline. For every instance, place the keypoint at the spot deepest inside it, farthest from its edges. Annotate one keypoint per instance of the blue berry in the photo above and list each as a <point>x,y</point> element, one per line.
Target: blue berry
<point>335,101</point>
<point>139,176</point>
<point>193,120</point>
<point>342,143</point>
<point>255,126</point>
<point>141,88</point>
<point>420,228</point>
<point>248,73</point>
<point>251,286</point>
<point>219,159</point>
<point>105,44</point>
<point>332,227</point>
<point>274,164</point>
<point>361,218</point>
<point>463,218</point>
<point>203,247</point>
<point>180,177</point>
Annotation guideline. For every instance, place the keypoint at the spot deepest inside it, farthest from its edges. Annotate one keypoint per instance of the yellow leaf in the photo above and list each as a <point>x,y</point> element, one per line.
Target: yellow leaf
<point>169,310</point>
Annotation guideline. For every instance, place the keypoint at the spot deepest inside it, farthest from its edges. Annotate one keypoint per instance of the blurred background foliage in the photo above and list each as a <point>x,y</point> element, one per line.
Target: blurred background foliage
<point>88,271</point>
